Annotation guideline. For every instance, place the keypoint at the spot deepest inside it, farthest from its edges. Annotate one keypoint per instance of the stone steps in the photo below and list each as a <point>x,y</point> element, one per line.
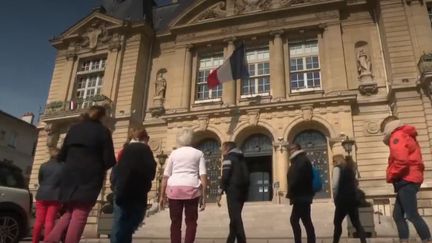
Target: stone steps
<point>262,221</point>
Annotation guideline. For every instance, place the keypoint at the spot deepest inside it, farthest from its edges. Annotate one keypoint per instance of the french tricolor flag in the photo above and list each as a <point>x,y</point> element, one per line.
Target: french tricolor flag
<point>233,68</point>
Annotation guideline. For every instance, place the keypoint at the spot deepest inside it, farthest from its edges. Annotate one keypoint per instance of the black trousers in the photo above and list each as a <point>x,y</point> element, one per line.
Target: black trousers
<point>235,202</point>
<point>341,211</point>
<point>302,211</point>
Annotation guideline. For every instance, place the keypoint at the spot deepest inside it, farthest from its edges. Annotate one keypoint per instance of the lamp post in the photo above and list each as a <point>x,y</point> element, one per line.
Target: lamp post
<point>348,144</point>
<point>162,158</point>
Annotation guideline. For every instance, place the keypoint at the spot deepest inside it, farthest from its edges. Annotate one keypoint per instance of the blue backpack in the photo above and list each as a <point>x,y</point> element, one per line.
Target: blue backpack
<point>316,180</point>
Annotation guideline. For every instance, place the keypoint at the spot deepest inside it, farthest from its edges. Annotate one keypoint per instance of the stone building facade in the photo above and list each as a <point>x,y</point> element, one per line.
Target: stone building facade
<point>320,71</point>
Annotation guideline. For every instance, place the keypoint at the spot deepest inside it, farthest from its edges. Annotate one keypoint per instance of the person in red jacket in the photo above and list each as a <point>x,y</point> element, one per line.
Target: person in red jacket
<point>405,171</point>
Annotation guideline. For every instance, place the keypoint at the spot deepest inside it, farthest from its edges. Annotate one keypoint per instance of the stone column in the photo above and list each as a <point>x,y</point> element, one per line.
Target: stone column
<point>281,156</point>
<point>187,78</point>
<point>229,88</point>
<point>277,75</point>
<point>70,68</point>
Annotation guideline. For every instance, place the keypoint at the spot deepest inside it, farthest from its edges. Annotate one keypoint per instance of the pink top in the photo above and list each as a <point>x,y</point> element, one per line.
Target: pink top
<point>184,167</point>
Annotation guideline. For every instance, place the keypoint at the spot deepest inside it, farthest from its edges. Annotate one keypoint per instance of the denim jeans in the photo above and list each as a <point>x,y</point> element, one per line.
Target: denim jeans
<point>127,218</point>
<point>405,208</point>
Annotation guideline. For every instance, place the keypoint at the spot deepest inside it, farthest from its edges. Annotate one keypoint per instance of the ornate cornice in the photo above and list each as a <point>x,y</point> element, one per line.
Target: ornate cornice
<point>330,101</point>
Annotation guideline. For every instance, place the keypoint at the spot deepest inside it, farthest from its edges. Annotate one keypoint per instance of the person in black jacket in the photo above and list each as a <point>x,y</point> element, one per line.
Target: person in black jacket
<point>344,194</point>
<point>300,193</point>
<point>235,183</point>
<point>88,153</point>
<point>47,196</point>
<point>134,174</point>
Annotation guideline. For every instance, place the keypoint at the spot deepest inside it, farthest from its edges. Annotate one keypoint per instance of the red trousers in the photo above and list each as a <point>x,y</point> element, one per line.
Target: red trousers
<point>176,213</point>
<point>71,224</point>
<point>46,212</point>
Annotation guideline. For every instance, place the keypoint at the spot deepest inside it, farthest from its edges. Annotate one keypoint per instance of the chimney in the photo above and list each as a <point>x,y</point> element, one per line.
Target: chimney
<point>28,117</point>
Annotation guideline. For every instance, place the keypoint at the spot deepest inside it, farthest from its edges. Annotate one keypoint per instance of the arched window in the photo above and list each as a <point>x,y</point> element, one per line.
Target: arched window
<point>257,145</point>
<point>315,145</point>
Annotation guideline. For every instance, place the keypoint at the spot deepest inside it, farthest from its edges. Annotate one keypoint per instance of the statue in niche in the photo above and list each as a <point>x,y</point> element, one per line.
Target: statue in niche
<point>363,63</point>
<point>160,84</point>
<point>367,86</point>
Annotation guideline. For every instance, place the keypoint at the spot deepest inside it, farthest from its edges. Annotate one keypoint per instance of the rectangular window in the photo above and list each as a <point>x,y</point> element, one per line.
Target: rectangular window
<point>92,65</point>
<point>304,66</point>
<point>259,73</point>
<point>89,81</point>
<point>205,66</point>
<point>430,12</point>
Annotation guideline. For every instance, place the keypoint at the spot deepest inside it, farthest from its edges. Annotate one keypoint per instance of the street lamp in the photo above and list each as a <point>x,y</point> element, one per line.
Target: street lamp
<point>347,144</point>
<point>162,158</point>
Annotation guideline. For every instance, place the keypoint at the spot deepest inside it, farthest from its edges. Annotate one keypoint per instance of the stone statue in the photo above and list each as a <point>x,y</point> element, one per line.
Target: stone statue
<point>160,85</point>
<point>363,63</point>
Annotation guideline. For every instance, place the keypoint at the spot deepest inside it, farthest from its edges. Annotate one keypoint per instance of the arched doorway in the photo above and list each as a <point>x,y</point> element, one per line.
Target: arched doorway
<point>315,145</point>
<point>212,154</point>
<point>258,151</point>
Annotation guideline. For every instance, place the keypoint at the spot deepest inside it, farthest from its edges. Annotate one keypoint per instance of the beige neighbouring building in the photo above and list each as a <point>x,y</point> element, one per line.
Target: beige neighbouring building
<point>320,70</point>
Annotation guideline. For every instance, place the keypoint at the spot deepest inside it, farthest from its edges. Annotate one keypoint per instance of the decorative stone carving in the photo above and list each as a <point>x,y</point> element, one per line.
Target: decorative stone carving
<point>253,117</point>
<point>364,69</point>
<point>244,6</point>
<point>52,135</point>
<point>216,11</point>
<point>307,112</point>
<point>203,122</point>
<point>115,43</point>
<point>72,50</point>
<point>95,33</point>
<point>154,144</point>
<point>371,127</point>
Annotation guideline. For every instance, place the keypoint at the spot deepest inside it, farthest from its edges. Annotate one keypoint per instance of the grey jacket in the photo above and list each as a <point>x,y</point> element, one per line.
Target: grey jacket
<point>50,174</point>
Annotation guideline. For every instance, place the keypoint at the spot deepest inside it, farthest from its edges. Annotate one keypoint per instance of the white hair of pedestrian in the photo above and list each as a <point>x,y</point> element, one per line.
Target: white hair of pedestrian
<point>184,138</point>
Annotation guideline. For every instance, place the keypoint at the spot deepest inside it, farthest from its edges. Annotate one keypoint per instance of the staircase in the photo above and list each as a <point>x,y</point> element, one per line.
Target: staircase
<point>263,222</point>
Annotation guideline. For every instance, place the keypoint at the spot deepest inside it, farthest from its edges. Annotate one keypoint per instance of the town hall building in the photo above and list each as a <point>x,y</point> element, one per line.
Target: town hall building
<point>322,73</point>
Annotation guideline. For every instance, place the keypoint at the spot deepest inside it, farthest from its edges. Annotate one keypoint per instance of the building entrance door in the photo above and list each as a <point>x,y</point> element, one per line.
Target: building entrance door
<point>212,156</point>
<point>260,188</point>
<point>258,154</point>
<point>315,145</point>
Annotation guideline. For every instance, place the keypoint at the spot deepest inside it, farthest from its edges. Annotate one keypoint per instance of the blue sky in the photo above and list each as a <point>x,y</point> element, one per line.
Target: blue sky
<point>26,55</point>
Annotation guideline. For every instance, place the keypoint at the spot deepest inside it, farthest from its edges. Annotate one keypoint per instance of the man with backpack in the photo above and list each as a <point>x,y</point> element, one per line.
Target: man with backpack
<point>235,183</point>
<point>300,192</point>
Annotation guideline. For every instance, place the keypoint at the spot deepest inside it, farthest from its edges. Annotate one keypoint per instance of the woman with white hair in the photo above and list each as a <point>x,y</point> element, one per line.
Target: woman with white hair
<point>184,184</point>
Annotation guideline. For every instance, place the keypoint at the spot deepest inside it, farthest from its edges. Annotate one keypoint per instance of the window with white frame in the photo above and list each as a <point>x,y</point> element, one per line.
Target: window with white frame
<point>89,80</point>
<point>259,73</point>
<point>304,66</point>
<point>205,66</point>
